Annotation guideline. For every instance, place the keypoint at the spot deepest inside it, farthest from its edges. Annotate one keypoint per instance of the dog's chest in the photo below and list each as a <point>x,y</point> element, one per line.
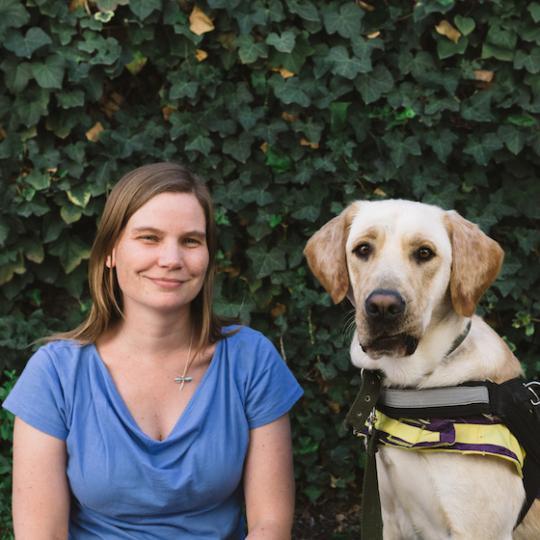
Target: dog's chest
<point>409,493</point>
<point>432,495</point>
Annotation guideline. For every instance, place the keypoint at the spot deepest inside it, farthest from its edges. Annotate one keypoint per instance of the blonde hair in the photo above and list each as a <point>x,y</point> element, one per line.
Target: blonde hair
<point>134,190</point>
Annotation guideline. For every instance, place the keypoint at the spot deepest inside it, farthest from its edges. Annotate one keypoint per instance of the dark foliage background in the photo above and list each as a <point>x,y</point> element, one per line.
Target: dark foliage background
<point>290,110</point>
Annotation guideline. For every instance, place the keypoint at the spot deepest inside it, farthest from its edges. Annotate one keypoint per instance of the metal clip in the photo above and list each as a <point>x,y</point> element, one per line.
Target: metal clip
<point>535,401</point>
<point>370,424</point>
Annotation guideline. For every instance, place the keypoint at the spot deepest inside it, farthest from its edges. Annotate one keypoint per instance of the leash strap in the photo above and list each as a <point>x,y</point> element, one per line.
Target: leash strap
<point>365,401</point>
<point>372,525</point>
<point>362,411</point>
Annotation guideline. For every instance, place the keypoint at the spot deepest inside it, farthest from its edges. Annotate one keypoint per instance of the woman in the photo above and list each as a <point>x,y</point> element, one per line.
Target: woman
<point>152,420</point>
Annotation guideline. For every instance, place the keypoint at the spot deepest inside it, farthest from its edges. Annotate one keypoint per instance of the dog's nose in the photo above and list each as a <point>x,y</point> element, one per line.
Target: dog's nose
<point>384,304</point>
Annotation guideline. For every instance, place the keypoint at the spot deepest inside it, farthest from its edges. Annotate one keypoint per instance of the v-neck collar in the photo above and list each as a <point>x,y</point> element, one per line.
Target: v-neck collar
<point>120,402</point>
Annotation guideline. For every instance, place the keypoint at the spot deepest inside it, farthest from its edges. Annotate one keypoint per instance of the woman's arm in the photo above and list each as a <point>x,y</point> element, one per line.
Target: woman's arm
<point>40,486</point>
<point>269,482</point>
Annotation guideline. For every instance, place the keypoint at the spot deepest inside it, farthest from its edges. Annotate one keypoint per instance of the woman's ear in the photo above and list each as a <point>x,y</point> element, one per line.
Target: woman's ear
<point>109,261</point>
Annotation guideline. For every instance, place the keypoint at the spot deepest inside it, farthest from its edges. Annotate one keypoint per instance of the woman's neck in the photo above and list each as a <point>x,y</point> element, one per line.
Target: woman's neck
<point>149,336</point>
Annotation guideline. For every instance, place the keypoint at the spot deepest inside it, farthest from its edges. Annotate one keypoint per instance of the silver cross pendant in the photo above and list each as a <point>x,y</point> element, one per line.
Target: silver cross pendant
<point>181,379</point>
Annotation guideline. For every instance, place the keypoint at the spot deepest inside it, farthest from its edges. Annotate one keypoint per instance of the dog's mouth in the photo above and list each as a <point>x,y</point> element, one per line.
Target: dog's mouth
<point>395,345</point>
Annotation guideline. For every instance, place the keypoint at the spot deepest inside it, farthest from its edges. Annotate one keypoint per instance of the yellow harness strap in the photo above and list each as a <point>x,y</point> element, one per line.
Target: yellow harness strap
<point>493,439</point>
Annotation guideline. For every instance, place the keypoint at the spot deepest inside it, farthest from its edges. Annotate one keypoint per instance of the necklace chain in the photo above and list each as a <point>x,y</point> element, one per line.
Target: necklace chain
<point>183,379</point>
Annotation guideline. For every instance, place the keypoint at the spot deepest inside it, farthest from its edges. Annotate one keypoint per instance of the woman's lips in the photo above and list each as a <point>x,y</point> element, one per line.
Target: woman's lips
<point>166,283</point>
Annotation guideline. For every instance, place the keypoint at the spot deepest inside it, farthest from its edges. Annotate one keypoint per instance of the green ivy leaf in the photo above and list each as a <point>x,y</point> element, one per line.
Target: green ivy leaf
<point>346,21</point>
<point>400,148</point>
<point>181,89</point>
<point>492,51</point>
<point>137,63</point>
<point>477,108</point>
<point>304,9</point>
<point>13,14</point>
<point>512,138</point>
<point>249,50</point>
<point>265,262</point>
<point>283,43</point>
<point>79,195</point>
<point>70,214</point>
<point>442,144</point>
<point>38,180</point>
<point>33,250</point>
<point>338,115</point>
<point>51,229</point>
<point>363,48</point>
<point>501,37</point>
<point>290,91</point>
<point>49,74</point>
<point>464,24</point>
<point>24,46</point>
<point>4,231</point>
<point>500,43</point>
<point>143,8</point>
<point>238,147</point>
<point>70,99</point>
<point>71,251</point>
<point>373,85</point>
<point>344,65</point>
<point>200,144</point>
<point>7,271</point>
<point>481,149</point>
<point>278,161</point>
<point>104,16</point>
<point>531,61</point>
<point>17,74</point>
<point>32,107</point>
<point>447,48</point>
<point>423,9</point>
<point>522,120</point>
<point>534,9</point>
<point>294,60</point>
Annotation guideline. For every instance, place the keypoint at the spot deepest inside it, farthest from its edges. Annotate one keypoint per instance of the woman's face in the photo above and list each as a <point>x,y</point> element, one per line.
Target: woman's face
<point>161,256</point>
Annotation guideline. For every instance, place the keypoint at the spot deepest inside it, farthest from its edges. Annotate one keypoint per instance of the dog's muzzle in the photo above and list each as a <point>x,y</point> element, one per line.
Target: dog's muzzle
<point>384,306</point>
<point>395,345</point>
<point>384,311</point>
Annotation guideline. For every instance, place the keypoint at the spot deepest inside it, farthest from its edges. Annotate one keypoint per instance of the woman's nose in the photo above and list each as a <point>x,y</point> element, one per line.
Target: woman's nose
<point>170,255</point>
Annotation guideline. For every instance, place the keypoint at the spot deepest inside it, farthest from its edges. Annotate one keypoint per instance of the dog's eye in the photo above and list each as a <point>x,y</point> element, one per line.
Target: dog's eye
<point>363,251</point>
<point>424,254</point>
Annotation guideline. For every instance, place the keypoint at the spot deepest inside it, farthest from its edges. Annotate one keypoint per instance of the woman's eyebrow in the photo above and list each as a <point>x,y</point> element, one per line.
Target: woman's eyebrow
<point>145,229</point>
<point>195,232</point>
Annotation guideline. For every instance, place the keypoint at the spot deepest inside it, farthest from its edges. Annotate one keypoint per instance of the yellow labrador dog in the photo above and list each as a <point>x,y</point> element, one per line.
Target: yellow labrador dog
<point>415,273</point>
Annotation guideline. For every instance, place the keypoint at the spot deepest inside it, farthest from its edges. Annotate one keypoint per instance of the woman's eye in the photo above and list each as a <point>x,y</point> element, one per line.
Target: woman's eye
<point>363,251</point>
<point>148,238</point>
<point>192,241</point>
<point>424,254</point>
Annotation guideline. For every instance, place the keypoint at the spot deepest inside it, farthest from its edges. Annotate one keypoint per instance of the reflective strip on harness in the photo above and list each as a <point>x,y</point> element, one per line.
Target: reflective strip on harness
<point>483,435</point>
<point>434,397</point>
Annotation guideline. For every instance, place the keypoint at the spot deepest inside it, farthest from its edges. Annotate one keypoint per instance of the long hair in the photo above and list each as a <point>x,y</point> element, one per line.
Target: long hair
<point>134,190</point>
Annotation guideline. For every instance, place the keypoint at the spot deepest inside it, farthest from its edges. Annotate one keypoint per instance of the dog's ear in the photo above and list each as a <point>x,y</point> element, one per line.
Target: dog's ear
<point>476,261</point>
<point>325,254</point>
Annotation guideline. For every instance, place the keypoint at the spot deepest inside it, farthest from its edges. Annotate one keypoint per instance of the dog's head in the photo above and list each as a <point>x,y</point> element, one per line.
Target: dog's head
<point>403,265</point>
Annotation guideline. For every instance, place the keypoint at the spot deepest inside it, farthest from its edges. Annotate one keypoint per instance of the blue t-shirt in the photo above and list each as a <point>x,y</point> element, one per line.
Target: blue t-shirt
<point>125,484</point>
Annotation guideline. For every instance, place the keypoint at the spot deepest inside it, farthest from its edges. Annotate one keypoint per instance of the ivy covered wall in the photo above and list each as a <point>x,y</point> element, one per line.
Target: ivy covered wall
<point>290,110</point>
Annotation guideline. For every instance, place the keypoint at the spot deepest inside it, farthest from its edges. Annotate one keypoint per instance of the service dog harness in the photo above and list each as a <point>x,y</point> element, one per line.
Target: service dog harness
<point>498,420</point>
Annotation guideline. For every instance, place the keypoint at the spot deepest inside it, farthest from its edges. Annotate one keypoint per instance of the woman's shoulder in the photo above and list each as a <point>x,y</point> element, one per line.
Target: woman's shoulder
<point>60,355</point>
<point>244,334</point>
<point>249,346</point>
